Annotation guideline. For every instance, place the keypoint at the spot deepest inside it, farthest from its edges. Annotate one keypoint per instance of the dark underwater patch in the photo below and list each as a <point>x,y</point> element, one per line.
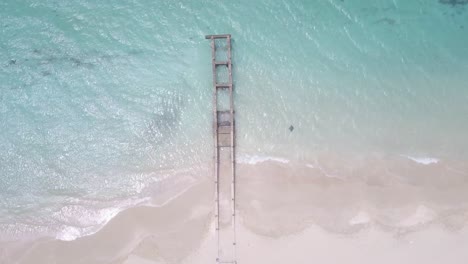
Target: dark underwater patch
<point>165,120</point>
<point>46,73</point>
<point>454,2</point>
<point>87,60</point>
<point>386,20</point>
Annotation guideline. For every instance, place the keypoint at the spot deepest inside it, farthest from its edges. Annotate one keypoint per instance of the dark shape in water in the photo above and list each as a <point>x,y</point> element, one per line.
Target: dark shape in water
<point>165,121</point>
<point>76,61</point>
<point>86,60</point>
<point>162,125</point>
<point>46,73</point>
<point>134,52</point>
<point>291,128</point>
<point>12,62</point>
<point>453,2</point>
<point>79,63</point>
<point>389,21</point>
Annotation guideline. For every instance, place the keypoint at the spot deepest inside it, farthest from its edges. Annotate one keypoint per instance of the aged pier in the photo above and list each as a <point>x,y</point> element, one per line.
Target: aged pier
<point>224,148</point>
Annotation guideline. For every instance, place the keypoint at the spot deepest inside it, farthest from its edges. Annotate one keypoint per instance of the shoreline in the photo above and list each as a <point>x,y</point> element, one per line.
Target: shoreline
<point>279,207</point>
<point>130,231</point>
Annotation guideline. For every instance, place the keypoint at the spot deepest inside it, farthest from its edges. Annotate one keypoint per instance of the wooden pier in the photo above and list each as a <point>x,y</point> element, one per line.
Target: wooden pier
<point>224,148</point>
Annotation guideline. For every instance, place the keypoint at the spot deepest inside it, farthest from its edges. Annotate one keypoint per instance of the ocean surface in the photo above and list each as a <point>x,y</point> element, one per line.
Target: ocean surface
<point>104,105</point>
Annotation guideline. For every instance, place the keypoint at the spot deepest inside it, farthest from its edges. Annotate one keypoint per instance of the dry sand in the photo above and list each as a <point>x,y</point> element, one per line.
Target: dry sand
<point>288,214</point>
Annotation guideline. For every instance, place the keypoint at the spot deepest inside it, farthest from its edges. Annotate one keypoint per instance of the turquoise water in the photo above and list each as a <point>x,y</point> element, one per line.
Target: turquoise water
<point>100,102</point>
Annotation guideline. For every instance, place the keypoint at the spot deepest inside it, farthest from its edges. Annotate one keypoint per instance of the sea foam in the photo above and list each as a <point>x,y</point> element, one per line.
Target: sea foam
<point>423,160</point>
<point>88,220</point>
<point>422,215</point>
<point>255,159</point>
<point>361,218</point>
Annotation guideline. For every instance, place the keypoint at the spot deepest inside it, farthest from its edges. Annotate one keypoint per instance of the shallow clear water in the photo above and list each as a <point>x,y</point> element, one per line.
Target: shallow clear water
<point>100,101</point>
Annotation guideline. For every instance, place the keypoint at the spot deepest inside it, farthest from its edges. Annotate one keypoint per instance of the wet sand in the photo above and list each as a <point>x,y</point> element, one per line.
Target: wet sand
<point>169,232</point>
<point>290,213</point>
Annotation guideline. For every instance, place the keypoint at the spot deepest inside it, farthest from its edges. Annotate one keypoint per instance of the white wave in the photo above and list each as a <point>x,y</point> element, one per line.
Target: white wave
<point>255,159</point>
<point>423,160</point>
<point>84,218</point>
<point>69,233</point>
<point>361,218</point>
<point>84,221</point>
<point>94,222</point>
<point>322,170</point>
<point>422,215</point>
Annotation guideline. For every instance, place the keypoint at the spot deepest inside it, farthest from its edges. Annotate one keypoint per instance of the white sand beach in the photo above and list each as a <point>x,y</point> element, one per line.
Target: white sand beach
<point>285,216</point>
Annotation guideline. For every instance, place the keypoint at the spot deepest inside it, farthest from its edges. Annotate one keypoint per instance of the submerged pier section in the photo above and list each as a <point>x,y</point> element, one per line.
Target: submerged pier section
<point>224,148</point>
